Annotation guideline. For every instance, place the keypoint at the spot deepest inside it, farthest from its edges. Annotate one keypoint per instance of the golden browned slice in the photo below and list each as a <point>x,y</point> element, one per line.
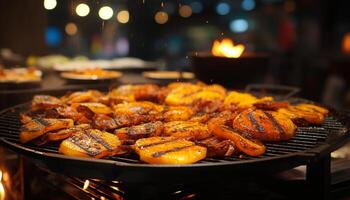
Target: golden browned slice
<point>243,100</point>
<point>177,113</point>
<point>169,150</point>
<point>264,125</point>
<point>96,108</point>
<point>65,133</point>
<point>90,143</point>
<point>38,126</point>
<point>218,126</point>
<point>140,131</point>
<point>186,129</point>
<point>305,114</point>
<point>45,102</point>
<point>80,97</point>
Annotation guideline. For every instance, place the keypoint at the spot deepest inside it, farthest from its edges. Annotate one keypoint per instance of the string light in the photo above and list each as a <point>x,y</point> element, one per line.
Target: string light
<point>71,28</point>
<point>123,16</point>
<point>82,10</point>
<point>105,12</point>
<point>50,4</point>
<point>161,17</point>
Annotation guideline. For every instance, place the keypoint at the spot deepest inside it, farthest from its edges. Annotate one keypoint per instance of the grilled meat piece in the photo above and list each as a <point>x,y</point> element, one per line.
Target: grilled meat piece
<point>169,150</point>
<point>217,147</point>
<point>90,143</point>
<point>218,126</point>
<point>186,129</point>
<point>72,113</point>
<point>177,113</point>
<point>45,102</point>
<point>305,114</point>
<point>80,97</point>
<point>39,126</point>
<point>147,92</point>
<point>264,125</point>
<point>271,105</point>
<point>207,106</point>
<point>150,129</point>
<point>105,122</point>
<point>25,118</point>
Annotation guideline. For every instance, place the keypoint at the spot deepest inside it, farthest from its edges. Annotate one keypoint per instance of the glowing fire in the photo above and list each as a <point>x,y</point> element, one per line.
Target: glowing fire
<point>2,189</point>
<point>346,43</point>
<point>86,184</point>
<point>226,48</point>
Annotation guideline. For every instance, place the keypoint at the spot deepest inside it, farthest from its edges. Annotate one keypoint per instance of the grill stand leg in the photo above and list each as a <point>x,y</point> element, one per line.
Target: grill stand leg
<point>318,178</point>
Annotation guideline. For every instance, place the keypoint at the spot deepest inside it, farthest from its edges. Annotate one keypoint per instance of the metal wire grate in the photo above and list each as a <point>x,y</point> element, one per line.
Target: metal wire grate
<point>306,138</point>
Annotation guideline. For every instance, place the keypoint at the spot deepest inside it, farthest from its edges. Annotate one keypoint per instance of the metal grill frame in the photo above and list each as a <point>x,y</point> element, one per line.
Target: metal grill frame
<point>127,170</point>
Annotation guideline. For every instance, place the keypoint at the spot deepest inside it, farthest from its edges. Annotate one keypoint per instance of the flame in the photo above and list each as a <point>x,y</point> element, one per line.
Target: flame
<point>86,184</point>
<point>346,43</point>
<point>2,189</point>
<point>226,48</point>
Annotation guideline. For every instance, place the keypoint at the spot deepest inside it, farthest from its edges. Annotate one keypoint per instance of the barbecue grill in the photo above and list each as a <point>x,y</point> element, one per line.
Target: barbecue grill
<point>311,146</point>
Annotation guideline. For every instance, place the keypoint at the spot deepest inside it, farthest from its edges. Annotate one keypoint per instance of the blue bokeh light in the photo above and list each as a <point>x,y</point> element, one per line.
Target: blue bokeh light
<point>196,6</point>
<point>239,25</point>
<point>223,8</point>
<point>53,36</point>
<point>248,5</point>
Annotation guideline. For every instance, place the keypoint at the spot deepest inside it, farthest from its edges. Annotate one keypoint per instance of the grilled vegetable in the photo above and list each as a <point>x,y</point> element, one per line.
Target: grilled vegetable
<point>177,113</point>
<point>45,102</point>
<point>186,129</point>
<point>169,150</point>
<point>264,125</point>
<point>65,133</point>
<point>243,100</point>
<point>305,114</point>
<point>39,126</point>
<point>90,143</point>
<point>97,108</point>
<point>219,128</point>
<point>140,131</point>
<point>217,147</point>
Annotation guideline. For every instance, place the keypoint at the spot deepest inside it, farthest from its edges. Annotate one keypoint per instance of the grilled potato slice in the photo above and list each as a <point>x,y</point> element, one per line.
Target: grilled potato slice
<point>243,100</point>
<point>169,150</point>
<point>305,114</point>
<point>186,129</point>
<point>39,126</point>
<point>45,102</point>
<point>177,113</point>
<point>91,143</point>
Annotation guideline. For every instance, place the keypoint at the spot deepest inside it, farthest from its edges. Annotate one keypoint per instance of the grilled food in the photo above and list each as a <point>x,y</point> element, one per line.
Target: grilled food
<point>169,150</point>
<point>176,124</point>
<point>305,114</point>
<point>186,129</point>
<point>219,128</point>
<point>90,143</point>
<point>39,126</point>
<point>264,125</point>
<point>140,131</point>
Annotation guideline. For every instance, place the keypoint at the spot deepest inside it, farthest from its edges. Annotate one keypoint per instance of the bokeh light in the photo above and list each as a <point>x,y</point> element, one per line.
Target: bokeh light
<point>185,11</point>
<point>196,6</point>
<point>50,4</point>
<point>123,16</point>
<point>82,10</point>
<point>223,8</point>
<point>248,5</point>
<point>239,25</point>
<point>53,36</point>
<point>161,17</point>
<point>105,12</point>
<point>71,28</point>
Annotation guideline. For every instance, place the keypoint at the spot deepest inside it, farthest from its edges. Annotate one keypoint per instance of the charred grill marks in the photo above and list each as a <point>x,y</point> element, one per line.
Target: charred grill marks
<point>90,150</point>
<point>161,153</point>
<point>275,124</point>
<point>158,143</point>
<point>99,140</point>
<point>257,126</point>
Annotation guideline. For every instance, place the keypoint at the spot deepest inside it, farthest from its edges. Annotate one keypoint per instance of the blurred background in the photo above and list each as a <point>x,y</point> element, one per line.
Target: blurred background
<point>307,41</point>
